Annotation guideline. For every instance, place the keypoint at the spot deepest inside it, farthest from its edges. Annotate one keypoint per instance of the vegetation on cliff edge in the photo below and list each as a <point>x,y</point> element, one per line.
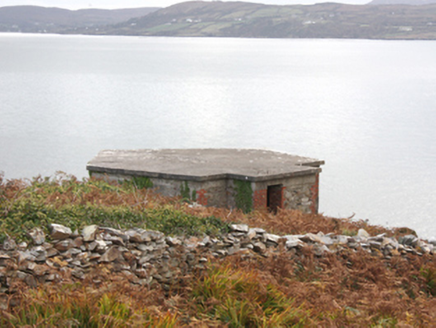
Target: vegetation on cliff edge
<point>345,289</point>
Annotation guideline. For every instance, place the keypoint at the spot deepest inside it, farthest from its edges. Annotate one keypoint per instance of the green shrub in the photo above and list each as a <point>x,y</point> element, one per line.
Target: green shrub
<point>75,204</point>
<point>244,195</point>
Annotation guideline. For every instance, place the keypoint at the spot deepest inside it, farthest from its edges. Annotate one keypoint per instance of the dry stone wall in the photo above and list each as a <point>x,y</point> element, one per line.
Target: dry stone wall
<point>145,257</point>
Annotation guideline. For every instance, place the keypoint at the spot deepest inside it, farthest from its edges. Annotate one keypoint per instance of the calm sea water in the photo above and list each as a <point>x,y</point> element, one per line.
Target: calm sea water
<point>368,108</point>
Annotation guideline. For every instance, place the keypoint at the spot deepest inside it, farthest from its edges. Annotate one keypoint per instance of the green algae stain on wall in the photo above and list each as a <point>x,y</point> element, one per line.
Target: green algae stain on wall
<point>244,195</point>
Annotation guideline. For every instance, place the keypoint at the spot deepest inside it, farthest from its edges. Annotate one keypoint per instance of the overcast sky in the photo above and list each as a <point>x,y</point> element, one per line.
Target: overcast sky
<point>112,4</point>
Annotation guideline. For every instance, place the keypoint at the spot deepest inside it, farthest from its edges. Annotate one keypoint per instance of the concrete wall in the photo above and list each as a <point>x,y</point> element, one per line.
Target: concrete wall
<point>232,193</point>
<point>300,193</point>
<point>207,193</point>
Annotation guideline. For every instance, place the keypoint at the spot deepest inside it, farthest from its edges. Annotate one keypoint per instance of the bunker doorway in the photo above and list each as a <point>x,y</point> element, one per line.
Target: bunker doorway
<point>274,197</point>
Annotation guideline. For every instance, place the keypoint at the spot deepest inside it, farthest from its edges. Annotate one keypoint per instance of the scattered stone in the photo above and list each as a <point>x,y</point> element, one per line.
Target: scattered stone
<point>37,235</point>
<point>409,240</point>
<point>251,234</point>
<point>259,247</point>
<point>63,245</point>
<point>375,244</point>
<point>272,238</point>
<point>327,240</point>
<point>9,244</point>
<point>171,241</point>
<point>239,228</point>
<point>432,241</point>
<point>319,249</point>
<point>78,273</point>
<point>59,232</point>
<point>89,233</point>
<point>293,243</point>
<point>117,233</point>
<point>311,238</point>
<point>111,255</point>
<point>22,246</point>
<point>362,233</point>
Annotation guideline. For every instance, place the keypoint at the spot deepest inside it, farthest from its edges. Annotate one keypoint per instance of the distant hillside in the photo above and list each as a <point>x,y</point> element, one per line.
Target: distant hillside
<point>402,2</point>
<point>40,19</point>
<point>234,19</point>
<point>325,20</point>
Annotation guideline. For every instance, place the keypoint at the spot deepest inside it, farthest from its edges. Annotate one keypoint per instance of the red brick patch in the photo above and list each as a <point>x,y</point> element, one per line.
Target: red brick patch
<point>201,197</point>
<point>260,199</point>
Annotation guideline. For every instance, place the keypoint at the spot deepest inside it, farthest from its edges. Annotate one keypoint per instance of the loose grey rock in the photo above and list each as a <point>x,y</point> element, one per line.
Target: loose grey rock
<point>9,244</point>
<point>78,273</point>
<point>311,238</point>
<point>153,235</point>
<point>432,241</point>
<point>293,243</point>
<point>362,233</point>
<point>239,228</point>
<point>259,247</point>
<point>63,245</point>
<point>23,245</point>
<point>135,235</point>
<point>326,240</point>
<point>25,256</point>
<point>342,240</point>
<point>251,234</point>
<point>116,232</point>
<point>319,250</point>
<point>171,241</point>
<point>37,235</point>
<point>101,245</point>
<point>409,240</point>
<point>39,253</point>
<point>59,232</point>
<point>111,255</point>
<point>222,252</point>
<point>375,244</point>
<point>116,240</point>
<point>259,231</point>
<point>78,242</point>
<point>73,251</point>
<point>89,232</point>
<point>272,238</point>
<point>205,242</point>
<point>52,252</point>
<point>145,248</point>
<point>94,256</point>
<point>146,258</point>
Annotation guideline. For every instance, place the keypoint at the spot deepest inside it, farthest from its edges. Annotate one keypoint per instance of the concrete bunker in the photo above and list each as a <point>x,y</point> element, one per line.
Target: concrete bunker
<point>233,178</point>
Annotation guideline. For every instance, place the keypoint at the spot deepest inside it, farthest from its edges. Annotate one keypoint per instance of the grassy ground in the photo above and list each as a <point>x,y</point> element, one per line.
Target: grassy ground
<point>347,289</point>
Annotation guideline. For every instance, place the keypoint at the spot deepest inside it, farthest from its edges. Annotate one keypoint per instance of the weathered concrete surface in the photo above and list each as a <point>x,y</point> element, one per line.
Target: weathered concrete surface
<point>204,164</point>
<point>208,176</point>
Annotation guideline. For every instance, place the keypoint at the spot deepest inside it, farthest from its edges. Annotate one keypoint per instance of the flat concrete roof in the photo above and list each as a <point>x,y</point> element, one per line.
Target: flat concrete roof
<point>204,164</point>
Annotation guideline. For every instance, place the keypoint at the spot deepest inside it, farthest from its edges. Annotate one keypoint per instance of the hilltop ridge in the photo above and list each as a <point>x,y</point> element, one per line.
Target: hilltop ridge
<point>324,20</point>
<point>36,19</point>
<point>235,19</point>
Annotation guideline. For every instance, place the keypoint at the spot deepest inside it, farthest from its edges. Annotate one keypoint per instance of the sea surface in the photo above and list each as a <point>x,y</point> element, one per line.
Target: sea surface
<point>368,108</point>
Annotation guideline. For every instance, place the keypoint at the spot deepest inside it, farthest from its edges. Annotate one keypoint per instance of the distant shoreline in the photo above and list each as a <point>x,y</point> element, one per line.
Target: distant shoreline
<point>197,37</point>
<point>233,19</point>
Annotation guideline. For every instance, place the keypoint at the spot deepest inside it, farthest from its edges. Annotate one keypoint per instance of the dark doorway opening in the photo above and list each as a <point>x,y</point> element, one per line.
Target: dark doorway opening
<point>274,197</point>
